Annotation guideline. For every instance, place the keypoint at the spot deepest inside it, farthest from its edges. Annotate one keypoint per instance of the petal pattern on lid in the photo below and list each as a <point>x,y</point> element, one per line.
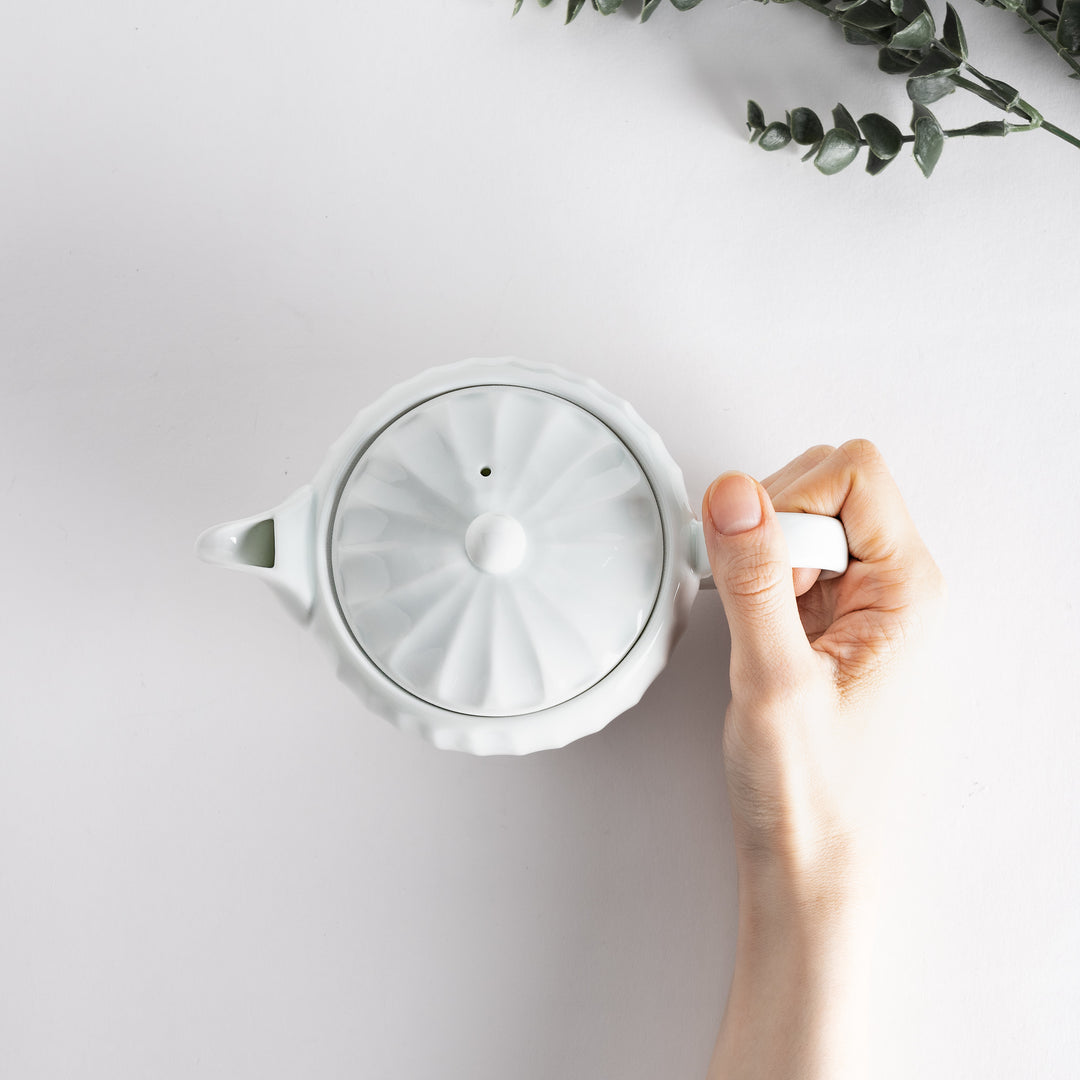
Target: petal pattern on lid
<point>486,643</point>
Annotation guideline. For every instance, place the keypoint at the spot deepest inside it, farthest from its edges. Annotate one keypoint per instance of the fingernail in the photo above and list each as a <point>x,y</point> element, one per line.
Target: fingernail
<point>734,504</point>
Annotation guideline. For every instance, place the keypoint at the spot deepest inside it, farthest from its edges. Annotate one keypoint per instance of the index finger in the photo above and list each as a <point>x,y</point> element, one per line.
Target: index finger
<point>854,484</point>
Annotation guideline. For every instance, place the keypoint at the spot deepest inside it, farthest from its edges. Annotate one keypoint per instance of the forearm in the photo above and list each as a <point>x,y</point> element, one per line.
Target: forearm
<point>798,1007</point>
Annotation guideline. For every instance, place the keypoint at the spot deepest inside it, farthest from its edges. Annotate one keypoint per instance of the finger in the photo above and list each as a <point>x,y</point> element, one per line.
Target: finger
<point>752,570</point>
<point>780,479</point>
<point>854,484</point>
<point>804,579</point>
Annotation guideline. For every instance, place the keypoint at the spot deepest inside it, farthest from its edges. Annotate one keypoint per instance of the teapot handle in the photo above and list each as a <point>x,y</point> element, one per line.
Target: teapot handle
<point>814,541</point>
<point>277,546</point>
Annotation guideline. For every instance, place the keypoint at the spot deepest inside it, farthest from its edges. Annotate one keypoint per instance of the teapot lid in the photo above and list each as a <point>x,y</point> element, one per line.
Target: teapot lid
<point>496,550</point>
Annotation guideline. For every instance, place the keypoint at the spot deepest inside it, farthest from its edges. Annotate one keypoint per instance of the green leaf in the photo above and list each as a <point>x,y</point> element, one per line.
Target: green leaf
<point>755,119</point>
<point>937,63</point>
<point>684,5</point>
<point>853,35</point>
<point>648,8</point>
<point>894,63</point>
<point>916,34</point>
<point>874,164</point>
<point>775,136</point>
<point>931,79</point>
<point>805,126</point>
<point>572,9</point>
<point>869,15</point>
<point>882,136</point>
<point>517,8</point>
<point>844,120</point>
<point>953,33</point>
<point>1068,31</point>
<point>837,151</point>
<point>929,139</point>
<point>928,88</point>
<point>811,152</point>
<point>912,9</point>
<point>608,7</point>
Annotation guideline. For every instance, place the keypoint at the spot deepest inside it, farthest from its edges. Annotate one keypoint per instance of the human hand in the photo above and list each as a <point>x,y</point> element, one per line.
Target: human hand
<point>817,674</point>
<point>816,660</point>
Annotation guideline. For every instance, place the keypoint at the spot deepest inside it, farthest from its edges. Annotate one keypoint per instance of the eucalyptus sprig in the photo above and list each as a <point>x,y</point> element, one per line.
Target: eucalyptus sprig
<point>609,7</point>
<point>1058,26</point>
<point>838,147</point>
<point>905,35</point>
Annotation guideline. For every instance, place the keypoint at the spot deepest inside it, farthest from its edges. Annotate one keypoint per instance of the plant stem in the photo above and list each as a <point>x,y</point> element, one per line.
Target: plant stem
<point>1020,106</point>
<point>1055,130</point>
<point>949,133</point>
<point>1042,32</point>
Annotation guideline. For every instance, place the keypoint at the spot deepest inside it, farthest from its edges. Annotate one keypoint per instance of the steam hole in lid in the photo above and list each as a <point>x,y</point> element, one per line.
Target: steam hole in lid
<point>486,470</point>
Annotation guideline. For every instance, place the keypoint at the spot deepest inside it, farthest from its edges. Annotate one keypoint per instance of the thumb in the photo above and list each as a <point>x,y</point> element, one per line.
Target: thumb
<point>752,570</point>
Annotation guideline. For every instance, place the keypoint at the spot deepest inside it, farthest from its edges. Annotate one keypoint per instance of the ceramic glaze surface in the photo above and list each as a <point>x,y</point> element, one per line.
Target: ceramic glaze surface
<point>496,550</point>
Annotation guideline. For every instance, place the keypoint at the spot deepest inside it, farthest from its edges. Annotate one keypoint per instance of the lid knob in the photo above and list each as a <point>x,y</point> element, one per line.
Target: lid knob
<point>495,543</point>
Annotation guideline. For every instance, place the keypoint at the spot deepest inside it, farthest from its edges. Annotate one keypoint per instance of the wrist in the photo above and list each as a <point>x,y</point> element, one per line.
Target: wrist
<point>829,890</point>
<point>814,929</point>
<point>798,1002</point>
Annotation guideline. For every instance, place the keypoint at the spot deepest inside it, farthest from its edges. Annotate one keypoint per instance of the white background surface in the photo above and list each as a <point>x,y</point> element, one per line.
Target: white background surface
<point>226,228</point>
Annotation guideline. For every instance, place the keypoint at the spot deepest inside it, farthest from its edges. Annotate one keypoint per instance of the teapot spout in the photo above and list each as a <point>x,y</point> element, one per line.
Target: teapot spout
<point>239,543</point>
<point>277,546</point>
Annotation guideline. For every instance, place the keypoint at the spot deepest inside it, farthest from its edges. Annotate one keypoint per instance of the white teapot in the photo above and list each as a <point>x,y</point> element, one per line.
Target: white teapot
<point>500,555</point>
